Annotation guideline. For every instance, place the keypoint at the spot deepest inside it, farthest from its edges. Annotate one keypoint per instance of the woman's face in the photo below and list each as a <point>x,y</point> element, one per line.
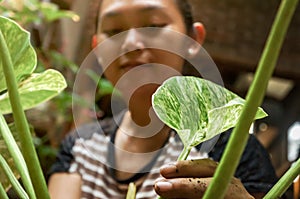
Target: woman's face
<point>117,16</point>
<point>146,22</point>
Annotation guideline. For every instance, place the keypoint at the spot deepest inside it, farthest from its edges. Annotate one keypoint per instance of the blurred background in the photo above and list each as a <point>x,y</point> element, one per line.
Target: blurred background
<point>61,32</point>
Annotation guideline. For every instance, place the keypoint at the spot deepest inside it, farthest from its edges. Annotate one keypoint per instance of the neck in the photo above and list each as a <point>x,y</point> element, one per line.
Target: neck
<point>141,139</point>
<point>140,105</point>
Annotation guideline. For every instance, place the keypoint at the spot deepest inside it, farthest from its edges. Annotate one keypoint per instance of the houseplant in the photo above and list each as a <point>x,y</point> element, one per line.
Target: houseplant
<point>22,89</point>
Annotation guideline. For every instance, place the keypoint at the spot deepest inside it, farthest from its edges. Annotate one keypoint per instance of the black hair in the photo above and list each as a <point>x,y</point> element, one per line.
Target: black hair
<point>186,11</point>
<point>184,7</point>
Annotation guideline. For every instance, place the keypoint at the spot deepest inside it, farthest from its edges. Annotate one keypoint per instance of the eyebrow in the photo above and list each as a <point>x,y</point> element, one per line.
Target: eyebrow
<point>145,9</point>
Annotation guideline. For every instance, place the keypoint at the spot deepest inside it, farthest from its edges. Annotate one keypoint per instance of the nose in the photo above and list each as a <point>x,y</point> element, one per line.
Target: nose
<point>133,41</point>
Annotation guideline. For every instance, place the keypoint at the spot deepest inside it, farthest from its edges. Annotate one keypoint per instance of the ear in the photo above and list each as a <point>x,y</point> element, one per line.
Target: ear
<point>199,32</point>
<point>94,41</point>
<point>198,35</point>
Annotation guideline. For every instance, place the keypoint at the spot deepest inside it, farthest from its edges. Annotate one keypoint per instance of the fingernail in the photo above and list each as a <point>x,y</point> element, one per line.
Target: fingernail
<point>163,186</point>
<point>169,168</point>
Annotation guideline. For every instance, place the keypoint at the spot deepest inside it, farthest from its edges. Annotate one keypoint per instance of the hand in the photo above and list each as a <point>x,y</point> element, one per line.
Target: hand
<point>189,179</point>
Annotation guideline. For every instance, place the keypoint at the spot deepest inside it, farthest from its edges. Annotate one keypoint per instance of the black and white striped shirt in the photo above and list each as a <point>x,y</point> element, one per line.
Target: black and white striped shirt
<point>90,152</point>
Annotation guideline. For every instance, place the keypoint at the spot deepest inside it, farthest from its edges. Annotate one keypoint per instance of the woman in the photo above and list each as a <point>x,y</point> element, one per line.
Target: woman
<point>133,146</point>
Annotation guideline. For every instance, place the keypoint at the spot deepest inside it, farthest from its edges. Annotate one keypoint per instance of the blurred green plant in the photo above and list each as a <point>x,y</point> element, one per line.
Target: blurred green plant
<point>238,140</point>
<point>22,89</point>
<point>40,18</point>
<point>26,12</point>
<point>254,98</point>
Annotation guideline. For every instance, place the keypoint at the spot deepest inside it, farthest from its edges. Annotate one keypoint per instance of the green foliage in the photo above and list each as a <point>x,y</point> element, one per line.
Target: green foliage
<point>37,12</point>
<point>40,17</point>
<point>11,152</point>
<point>2,191</point>
<point>18,44</point>
<point>5,153</point>
<point>33,88</point>
<point>266,66</point>
<point>19,189</point>
<point>284,182</point>
<point>25,89</point>
<point>197,108</point>
<point>105,87</point>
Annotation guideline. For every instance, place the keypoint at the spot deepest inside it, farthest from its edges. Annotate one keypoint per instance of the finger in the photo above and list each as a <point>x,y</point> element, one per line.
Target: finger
<point>181,187</point>
<point>189,188</point>
<point>199,168</point>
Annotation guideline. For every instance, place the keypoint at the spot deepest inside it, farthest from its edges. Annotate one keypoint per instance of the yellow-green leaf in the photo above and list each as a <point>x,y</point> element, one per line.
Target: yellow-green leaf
<point>37,88</point>
<point>131,191</point>
<point>22,54</point>
<point>197,109</point>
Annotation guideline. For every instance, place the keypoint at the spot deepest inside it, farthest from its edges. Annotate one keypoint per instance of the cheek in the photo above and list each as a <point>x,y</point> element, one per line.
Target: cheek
<point>107,50</point>
<point>169,59</point>
<point>170,47</point>
<point>111,74</point>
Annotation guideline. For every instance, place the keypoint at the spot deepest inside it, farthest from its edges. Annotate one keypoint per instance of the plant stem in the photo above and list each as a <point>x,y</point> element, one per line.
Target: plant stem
<point>184,153</point>
<point>27,146</point>
<point>3,194</point>
<point>238,139</point>
<point>13,180</point>
<point>131,193</point>
<point>284,182</point>
<point>17,156</point>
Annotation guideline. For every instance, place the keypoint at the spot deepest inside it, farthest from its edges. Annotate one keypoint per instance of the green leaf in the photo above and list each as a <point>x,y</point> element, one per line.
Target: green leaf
<point>37,88</point>
<point>35,12</point>
<point>22,53</point>
<point>5,153</point>
<point>13,180</point>
<point>197,108</point>
<point>105,86</point>
<point>9,149</point>
<point>3,194</point>
<point>52,12</point>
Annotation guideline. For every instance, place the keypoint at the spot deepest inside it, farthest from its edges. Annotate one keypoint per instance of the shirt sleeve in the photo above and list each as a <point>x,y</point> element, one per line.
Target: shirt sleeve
<point>64,156</point>
<point>255,169</point>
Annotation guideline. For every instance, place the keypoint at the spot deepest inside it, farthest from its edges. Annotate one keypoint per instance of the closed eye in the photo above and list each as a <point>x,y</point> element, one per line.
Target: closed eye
<point>160,25</point>
<point>112,32</point>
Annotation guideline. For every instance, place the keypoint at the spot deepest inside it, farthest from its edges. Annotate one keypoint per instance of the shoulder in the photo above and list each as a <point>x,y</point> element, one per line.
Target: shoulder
<point>105,126</point>
<point>253,148</point>
<point>65,155</point>
<point>255,169</point>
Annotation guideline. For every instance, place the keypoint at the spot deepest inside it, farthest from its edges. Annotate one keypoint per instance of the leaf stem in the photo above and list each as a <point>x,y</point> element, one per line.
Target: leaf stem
<point>27,146</point>
<point>3,194</point>
<point>284,182</point>
<point>131,191</point>
<point>238,139</point>
<point>13,180</point>
<point>17,156</point>
<point>184,153</point>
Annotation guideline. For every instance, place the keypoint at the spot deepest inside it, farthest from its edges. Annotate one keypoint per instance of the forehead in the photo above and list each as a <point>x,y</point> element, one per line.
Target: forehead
<point>118,7</point>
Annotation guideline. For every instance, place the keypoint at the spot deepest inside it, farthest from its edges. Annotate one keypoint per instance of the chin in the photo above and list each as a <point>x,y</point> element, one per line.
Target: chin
<point>146,90</point>
<point>143,94</point>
